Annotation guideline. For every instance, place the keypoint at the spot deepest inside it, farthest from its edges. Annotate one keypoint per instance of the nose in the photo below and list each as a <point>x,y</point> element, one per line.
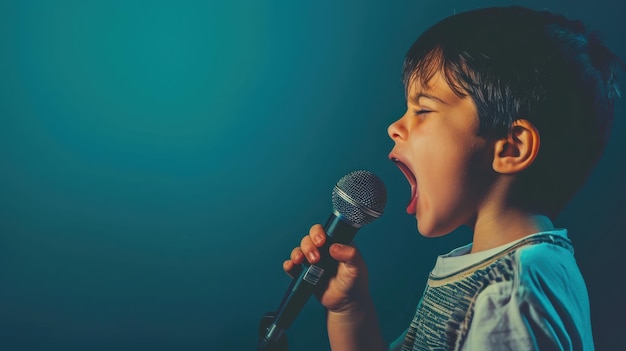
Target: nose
<point>396,130</point>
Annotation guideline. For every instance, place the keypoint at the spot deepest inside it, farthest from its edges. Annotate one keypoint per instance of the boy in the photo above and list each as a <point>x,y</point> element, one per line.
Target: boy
<point>507,111</point>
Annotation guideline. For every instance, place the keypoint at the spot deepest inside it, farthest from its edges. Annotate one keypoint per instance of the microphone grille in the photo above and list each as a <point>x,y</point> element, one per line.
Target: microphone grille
<point>359,197</point>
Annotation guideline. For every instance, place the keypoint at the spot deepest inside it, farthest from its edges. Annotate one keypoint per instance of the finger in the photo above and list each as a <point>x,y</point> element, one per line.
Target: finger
<point>297,256</point>
<point>345,253</point>
<point>292,270</point>
<point>309,249</point>
<point>288,266</point>
<point>318,235</point>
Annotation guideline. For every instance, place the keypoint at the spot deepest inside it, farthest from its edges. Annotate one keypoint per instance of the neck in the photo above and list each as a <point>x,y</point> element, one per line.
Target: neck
<point>506,225</point>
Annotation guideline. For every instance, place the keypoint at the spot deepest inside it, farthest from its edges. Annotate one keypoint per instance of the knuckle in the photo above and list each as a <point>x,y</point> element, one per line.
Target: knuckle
<point>306,243</point>
<point>317,234</point>
<point>295,253</point>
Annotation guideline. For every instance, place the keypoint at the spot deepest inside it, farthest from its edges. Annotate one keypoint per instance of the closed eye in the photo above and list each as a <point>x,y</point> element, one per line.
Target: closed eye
<point>421,112</point>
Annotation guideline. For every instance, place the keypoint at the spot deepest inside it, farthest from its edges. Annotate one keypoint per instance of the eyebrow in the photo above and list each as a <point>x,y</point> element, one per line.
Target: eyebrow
<point>415,98</point>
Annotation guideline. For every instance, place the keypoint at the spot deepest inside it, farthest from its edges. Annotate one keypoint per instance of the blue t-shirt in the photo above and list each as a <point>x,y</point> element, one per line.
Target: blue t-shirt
<point>525,295</point>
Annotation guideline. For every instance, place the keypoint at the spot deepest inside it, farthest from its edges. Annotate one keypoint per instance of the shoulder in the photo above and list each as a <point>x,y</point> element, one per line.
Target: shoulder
<point>546,254</point>
<point>548,269</point>
<point>550,284</point>
<point>545,303</point>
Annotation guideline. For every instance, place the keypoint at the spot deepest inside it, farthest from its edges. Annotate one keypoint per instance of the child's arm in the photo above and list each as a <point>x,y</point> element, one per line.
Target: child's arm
<point>352,322</point>
<point>355,329</point>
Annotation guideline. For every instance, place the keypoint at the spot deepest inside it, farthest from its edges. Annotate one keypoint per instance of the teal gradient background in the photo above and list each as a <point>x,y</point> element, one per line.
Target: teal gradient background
<point>160,159</point>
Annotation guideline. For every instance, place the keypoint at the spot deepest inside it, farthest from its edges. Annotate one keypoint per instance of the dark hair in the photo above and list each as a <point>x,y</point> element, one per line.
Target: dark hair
<point>517,63</point>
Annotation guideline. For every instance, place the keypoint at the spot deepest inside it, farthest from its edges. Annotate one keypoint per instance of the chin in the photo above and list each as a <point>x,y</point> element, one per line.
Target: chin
<point>433,230</point>
<point>429,232</point>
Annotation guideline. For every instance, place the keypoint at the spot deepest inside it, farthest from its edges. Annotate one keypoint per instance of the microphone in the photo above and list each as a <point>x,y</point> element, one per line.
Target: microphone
<point>358,198</point>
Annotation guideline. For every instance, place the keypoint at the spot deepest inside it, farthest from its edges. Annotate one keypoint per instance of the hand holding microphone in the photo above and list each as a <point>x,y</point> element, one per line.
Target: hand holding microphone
<point>358,198</point>
<point>351,275</point>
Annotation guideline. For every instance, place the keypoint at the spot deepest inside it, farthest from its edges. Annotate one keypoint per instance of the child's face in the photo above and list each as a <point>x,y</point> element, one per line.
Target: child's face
<point>437,149</point>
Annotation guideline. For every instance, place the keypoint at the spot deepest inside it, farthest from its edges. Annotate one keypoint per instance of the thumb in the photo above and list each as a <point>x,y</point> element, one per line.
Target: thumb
<point>352,272</point>
<point>346,254</point>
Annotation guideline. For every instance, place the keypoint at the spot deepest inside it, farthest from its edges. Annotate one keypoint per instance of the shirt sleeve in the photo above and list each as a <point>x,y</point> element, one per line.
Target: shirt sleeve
<point>497,322</point>
<point>543,308</point>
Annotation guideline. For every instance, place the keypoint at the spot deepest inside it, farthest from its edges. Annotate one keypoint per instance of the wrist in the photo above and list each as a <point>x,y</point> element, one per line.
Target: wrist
<point>355,326</point>
<point>355,310</point>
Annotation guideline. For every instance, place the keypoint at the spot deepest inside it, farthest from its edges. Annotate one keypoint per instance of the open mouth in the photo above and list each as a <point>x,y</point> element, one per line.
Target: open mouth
<point>411,207</point>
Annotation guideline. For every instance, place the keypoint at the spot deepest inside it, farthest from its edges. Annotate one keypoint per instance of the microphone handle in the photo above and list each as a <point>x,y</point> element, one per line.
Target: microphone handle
<point>303,286</point>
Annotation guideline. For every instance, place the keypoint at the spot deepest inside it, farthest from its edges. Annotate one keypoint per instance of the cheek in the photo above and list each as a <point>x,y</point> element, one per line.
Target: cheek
<point>445,164</point>
<point>443,185</point>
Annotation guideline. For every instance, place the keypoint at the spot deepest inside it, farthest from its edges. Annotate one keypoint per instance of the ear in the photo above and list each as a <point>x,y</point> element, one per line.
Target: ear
<point>518,150</point>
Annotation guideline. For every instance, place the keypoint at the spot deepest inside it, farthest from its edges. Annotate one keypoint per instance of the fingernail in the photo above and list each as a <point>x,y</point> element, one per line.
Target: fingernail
<point>317,239</point>
<point>336,247</point>
<point>312,256</point>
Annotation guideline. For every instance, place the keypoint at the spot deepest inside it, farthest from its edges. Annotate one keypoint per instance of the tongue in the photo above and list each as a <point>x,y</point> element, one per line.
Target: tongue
<point>412,206</point>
